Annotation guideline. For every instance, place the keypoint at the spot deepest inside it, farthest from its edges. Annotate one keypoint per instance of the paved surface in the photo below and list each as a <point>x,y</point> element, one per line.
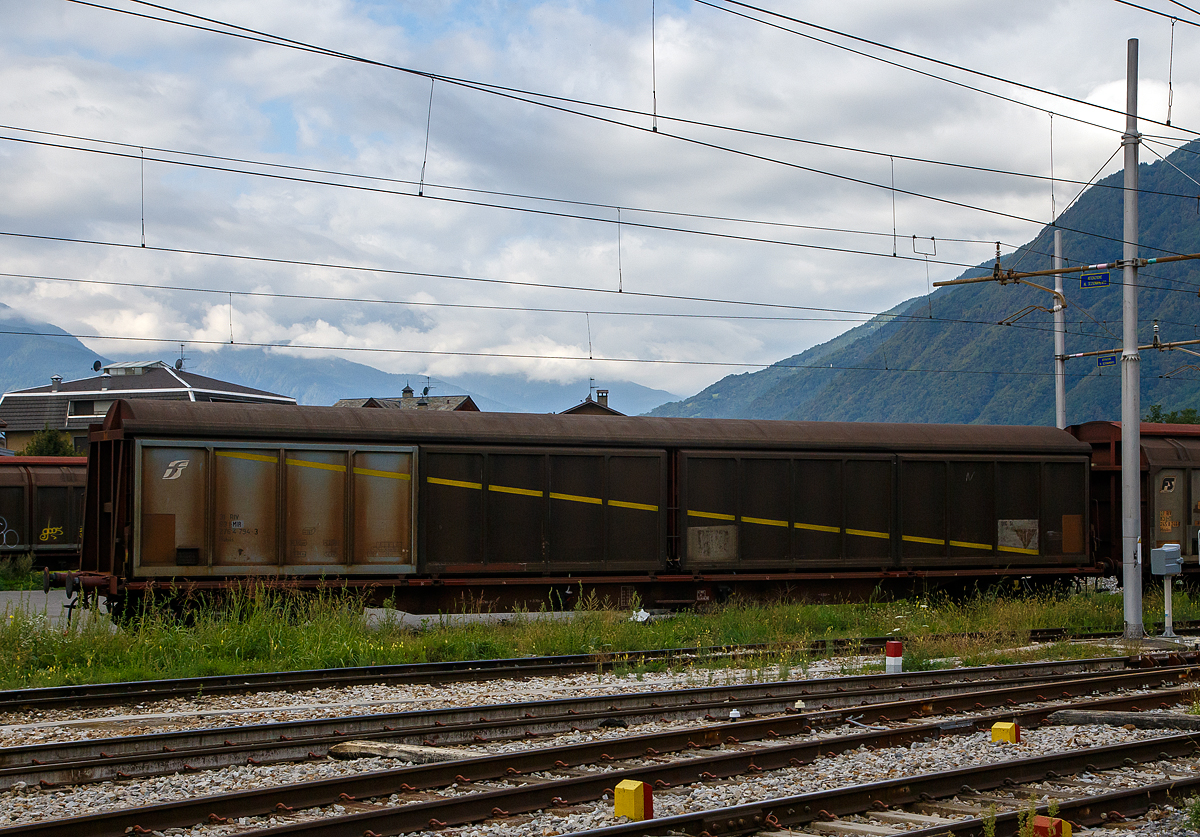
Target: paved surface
<point>52,604</point>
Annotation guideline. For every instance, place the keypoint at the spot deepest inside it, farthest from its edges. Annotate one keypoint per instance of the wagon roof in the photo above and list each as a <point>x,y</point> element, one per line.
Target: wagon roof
<point>260,422</point>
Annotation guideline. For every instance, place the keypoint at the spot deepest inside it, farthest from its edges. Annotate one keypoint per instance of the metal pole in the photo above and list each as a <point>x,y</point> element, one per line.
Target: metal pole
<point>1131,408</point>
<point>1168,618</point>
<point>1060,340</point>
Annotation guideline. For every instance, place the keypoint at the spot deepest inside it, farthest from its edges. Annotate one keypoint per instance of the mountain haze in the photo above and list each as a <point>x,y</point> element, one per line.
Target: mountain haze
<point>28,359</point>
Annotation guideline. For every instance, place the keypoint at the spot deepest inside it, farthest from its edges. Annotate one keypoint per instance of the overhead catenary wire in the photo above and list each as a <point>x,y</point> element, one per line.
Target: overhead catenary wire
<point>521,356</point>
<point>835,175</point>
<point>247,33</point>
<point>490,192</point>
<point>526,196</point>
<point>852,315</point>
<point>545,212</point>
<point>932,60</point>
<point>518,94</point>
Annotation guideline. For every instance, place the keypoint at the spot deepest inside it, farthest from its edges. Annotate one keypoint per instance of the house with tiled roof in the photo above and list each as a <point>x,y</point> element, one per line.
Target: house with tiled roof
<point>410,401</point>
<point>70,406</point>
<point>588,407</point>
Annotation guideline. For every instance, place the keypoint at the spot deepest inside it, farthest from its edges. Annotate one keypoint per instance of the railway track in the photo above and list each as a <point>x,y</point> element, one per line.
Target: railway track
<point>114,694</point>
<point>748,756</point>
<point>164,753</point>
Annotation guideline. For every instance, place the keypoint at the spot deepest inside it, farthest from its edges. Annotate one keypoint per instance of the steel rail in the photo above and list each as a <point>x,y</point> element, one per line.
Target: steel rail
<point>403,780</point>
<point>1085,810</point>
<point>485,805</point>
<point>108,694</point>
<point>163,753</point>
<point>804,808</point>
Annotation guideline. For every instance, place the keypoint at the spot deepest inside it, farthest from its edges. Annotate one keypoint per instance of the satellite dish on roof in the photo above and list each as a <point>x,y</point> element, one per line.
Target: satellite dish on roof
<point>179,365</point>
<point>97,366</point>
<point>425,391</point>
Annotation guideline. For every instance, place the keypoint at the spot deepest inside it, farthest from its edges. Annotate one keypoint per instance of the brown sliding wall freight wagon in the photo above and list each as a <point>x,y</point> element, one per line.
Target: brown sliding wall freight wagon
<point>41,508</point>
<point>1170,489</point>
<point>429,509</point>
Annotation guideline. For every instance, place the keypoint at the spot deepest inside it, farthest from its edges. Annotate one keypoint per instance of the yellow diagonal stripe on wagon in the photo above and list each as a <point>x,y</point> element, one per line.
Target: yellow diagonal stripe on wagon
<point>711,515</point>
<point>1018,549</point>
<point>625,504</point>
<point>764,521</point>
<point>969,545</point>
<point>395,475</point>
<point>816,527</point>
<point>867,533</point>
<point>453,483</point>
<point>576,498</point>
<point>508,489</point>
<point>253,457</point>
<point>919,539</point>
<point>323,466</point>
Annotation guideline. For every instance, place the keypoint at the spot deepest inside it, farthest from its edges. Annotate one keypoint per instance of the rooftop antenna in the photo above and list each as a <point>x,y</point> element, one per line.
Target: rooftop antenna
<point>179,363</point>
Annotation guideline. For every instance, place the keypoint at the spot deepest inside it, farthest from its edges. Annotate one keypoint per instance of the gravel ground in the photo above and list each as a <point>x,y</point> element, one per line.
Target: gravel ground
<point>34,727</point>
<point>25,805</point>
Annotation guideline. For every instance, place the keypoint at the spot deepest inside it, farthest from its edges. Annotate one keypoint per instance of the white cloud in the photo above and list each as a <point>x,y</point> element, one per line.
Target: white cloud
<point>82,71</point>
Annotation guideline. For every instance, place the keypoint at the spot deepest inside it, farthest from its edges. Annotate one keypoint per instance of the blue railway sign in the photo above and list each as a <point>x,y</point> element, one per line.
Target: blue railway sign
<point>1093,280</point>
<point>1106,360</point>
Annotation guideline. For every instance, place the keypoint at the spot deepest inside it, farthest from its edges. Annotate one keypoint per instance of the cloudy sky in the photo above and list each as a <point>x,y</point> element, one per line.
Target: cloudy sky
<point>504,168</point>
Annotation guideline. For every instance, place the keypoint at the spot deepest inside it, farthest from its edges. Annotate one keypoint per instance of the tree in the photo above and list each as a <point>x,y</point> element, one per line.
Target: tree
<point>47,442</point>
<point>1188,415</point>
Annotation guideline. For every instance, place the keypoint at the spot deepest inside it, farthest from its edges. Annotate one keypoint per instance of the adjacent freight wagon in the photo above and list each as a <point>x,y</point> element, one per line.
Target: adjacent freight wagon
<point>41,508</point>
<point>433,509</point>
<point>1170,486</point>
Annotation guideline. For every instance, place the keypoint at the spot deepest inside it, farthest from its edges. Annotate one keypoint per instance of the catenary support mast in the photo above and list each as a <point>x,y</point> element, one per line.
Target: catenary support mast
<point>1131,408</point>
<point>1060,339</point>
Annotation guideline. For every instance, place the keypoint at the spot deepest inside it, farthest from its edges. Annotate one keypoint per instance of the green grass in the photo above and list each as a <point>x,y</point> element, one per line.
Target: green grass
<point>17,573</point>
<point>265,632</point>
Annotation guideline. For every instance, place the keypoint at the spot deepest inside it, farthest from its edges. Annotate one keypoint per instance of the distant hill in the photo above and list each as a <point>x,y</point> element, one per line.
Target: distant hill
<point>27,360</point>
<point>854,377</point>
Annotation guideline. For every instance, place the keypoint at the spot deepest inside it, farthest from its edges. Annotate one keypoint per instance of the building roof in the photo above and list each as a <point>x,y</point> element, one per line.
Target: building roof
<point>591,408</point>
<point>33,409</point>
<point>442,403</point>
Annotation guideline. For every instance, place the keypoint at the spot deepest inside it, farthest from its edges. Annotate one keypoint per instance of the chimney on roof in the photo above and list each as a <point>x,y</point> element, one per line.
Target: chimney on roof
<point>55,382</point>
<point>407,392</point>
<point>104,379</point>
<point>602,397</point>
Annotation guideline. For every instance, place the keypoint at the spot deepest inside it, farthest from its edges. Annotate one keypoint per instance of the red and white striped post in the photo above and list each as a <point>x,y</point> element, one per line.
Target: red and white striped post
<point>894,651</point>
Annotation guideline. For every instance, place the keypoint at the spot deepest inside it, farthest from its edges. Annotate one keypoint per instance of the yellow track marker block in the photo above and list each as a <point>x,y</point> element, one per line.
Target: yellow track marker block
<point>634,799</point>
<point>1007,732</point>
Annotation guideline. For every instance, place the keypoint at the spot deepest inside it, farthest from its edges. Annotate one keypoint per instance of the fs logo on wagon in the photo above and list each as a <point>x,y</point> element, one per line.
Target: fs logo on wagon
<point>175,469</point>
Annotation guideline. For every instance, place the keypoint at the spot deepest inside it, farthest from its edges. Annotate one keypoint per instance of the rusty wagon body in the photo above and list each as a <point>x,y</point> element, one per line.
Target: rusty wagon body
<point>432,510</point>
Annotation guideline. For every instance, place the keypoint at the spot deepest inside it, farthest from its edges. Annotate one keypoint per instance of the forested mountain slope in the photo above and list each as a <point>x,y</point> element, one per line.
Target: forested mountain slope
<point>890,369</point>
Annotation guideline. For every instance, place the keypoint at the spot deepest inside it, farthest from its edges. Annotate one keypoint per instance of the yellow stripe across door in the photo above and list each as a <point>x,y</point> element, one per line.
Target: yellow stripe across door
<point>918,539</point>
<point>1018,549</point>
<point>625,504</point>
<point>453,483</point>
<point>530,492</point>
<point>712,515</point>
<point>867,533</point>
<point>816,527</point>
<point>253,457</point>
<point>969,545</point>
<point>321,466</point>
<point>370,472</point>
<point>576,498</point>
<point>508,489</point>
<point>764,521</point>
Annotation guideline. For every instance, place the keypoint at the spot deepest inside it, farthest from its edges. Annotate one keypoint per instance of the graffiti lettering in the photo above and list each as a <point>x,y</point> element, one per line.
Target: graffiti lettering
<point>6,533</point>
